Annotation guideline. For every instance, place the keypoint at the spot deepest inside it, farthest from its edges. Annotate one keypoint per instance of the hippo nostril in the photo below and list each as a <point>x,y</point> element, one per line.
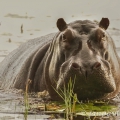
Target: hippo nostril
<point>75,65</point>
<point>96,65</point>
<point>86,74</point>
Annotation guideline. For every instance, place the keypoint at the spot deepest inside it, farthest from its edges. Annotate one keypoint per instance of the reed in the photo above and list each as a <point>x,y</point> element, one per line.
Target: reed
<point>26,101</point>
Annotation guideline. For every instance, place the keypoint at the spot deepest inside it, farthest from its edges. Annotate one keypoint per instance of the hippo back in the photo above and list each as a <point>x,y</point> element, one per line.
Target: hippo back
<point>15,66</point>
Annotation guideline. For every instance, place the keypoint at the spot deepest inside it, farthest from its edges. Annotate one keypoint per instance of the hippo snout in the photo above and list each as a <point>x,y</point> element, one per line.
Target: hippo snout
<point>84,69</point>
<point>91,76</point>
<point>96,74</point>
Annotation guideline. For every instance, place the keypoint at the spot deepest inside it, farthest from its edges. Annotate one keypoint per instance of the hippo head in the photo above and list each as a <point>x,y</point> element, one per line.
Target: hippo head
<point>81,51</point>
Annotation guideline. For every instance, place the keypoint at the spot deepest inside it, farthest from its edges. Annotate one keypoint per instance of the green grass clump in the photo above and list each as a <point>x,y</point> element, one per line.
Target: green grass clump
<point>68,97</point>
<point>26,101</point>
<point>73,106</point>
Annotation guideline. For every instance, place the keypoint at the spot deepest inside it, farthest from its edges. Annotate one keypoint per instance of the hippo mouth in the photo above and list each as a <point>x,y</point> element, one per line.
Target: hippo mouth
<point>95,85</point>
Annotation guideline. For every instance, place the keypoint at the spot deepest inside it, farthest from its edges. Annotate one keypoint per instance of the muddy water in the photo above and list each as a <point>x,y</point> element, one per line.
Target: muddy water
<point>12,107</point>
<point>37,18</point>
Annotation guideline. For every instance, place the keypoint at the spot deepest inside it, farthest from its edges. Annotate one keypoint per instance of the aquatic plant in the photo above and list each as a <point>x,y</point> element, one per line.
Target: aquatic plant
<point>26,101</point>
<point>69,99</point>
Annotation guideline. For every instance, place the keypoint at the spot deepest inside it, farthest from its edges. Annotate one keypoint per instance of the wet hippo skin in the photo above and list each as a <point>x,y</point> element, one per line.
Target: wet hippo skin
<point>81,50</point>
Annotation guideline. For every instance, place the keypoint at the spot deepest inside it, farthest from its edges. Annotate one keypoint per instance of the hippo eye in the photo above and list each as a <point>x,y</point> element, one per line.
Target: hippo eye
<point>103,37</point>
<point>64,37</point>
<point>103,34</point>
<point>106,56</point>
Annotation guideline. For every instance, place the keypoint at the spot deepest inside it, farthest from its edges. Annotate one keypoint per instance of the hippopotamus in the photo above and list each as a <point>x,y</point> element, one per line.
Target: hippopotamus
<point>82,51</point>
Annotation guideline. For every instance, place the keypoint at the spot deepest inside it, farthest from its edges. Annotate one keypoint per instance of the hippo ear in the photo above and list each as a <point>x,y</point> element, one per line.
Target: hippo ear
<point>61,24</point>
<point>104,23</point>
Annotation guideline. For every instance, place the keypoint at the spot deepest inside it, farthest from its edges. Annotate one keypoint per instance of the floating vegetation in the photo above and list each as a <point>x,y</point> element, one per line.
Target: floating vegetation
<point>6,34</point>
<point>37,29</point>
<point>29,30</point>
<point>48,16</point>
<point>33,30</point>
<point>116,29</point>
<point>81,109</point>
<point>42,94</point>
<point>18,16</point>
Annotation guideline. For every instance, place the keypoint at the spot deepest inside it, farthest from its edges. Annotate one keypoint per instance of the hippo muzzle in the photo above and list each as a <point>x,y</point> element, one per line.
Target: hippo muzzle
<point>90,82</point>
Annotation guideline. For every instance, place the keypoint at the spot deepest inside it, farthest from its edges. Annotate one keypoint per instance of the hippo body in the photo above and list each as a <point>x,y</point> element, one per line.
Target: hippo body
<point>81,50</point>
